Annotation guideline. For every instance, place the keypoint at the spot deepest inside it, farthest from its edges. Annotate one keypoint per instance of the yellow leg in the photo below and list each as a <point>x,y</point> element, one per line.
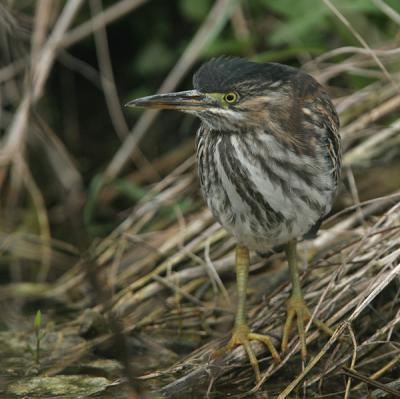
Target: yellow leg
<point>297,308</point>
<point>241,334</point>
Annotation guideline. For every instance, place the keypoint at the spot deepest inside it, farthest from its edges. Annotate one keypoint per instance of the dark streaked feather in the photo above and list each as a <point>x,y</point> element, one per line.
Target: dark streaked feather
<point>225,73</point>
<point>269,165</point>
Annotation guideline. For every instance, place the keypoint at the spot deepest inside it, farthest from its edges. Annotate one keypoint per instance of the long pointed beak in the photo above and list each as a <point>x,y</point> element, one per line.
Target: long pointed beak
<point>182,101</point>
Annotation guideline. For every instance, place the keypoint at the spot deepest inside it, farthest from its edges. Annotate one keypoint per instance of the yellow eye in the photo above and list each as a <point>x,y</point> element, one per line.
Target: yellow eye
<point>231,97</point>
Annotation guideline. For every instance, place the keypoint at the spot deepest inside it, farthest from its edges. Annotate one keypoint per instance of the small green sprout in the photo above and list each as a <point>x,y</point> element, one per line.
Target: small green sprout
<point>39,335</point>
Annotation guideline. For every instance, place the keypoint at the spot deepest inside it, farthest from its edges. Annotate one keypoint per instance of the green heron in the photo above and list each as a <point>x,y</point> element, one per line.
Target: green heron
<point>269,155</point>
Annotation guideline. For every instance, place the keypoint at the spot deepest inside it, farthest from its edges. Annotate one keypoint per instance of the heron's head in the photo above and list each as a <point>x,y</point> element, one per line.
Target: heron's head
<point>231,94</point>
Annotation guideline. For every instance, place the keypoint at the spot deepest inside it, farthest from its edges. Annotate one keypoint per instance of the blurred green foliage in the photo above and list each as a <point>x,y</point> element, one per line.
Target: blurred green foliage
<point>195,10</point>
<point>310,21</point>
<point>271,30</point>
<point>147,43</point>
<point>277,30</point>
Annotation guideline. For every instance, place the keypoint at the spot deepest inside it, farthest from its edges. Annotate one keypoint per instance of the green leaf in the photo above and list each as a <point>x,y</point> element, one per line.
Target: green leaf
<point>38,320</point>
<point>355,5</point>
<point>195,9</point>
<point>301,28</point>
<point>308,21</point>
<point>395,4</point>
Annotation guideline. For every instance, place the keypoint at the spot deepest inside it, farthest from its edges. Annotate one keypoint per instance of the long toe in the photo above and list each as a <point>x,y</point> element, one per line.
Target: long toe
<point>242,336</point>
<point>297,309</point>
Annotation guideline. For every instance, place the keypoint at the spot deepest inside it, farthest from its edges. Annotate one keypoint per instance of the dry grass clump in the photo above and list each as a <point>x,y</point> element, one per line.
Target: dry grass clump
<point>173,281</point>
<point>171,274</point>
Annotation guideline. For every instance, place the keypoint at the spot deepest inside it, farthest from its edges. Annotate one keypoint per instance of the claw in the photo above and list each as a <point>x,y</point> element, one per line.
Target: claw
<point>243,336</point>
<point>298,309</point>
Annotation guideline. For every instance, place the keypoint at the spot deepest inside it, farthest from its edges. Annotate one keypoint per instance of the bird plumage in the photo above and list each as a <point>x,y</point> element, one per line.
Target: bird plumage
<point>271,173</point>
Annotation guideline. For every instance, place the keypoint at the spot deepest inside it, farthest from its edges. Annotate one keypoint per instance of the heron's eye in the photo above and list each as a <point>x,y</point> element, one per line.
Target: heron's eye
<point>231,97</point>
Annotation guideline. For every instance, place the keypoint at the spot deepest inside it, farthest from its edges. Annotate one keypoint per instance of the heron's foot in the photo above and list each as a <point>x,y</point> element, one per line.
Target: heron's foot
<point>242,335</point>
<point>297,308</point>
